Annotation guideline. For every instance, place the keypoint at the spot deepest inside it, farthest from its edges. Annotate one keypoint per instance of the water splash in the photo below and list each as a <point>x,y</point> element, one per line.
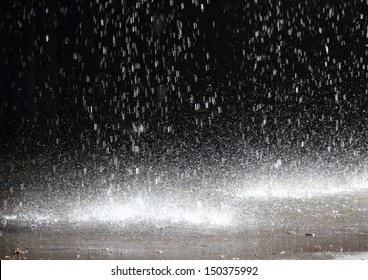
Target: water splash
<point>220,203</point>
<point>120,210</point>
<point>153,210</point>
<point>302,187</point>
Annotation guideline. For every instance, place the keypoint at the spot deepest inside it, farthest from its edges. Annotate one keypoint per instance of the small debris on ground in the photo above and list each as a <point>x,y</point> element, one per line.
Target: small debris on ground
<point>19,251</point>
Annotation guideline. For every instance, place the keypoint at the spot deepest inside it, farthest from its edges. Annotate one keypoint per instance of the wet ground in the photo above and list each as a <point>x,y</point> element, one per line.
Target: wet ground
<point>317,228</point>
<point>304,215</point>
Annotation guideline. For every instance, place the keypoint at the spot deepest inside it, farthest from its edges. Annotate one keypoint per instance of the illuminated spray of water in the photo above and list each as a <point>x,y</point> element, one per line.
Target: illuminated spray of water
<point>228,204</point>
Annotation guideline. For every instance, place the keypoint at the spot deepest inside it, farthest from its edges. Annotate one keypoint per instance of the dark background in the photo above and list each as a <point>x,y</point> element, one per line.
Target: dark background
<point>154,79</point>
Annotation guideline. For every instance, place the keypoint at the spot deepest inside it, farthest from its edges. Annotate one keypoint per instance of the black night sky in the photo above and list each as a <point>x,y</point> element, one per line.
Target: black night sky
<point>215,77</point>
